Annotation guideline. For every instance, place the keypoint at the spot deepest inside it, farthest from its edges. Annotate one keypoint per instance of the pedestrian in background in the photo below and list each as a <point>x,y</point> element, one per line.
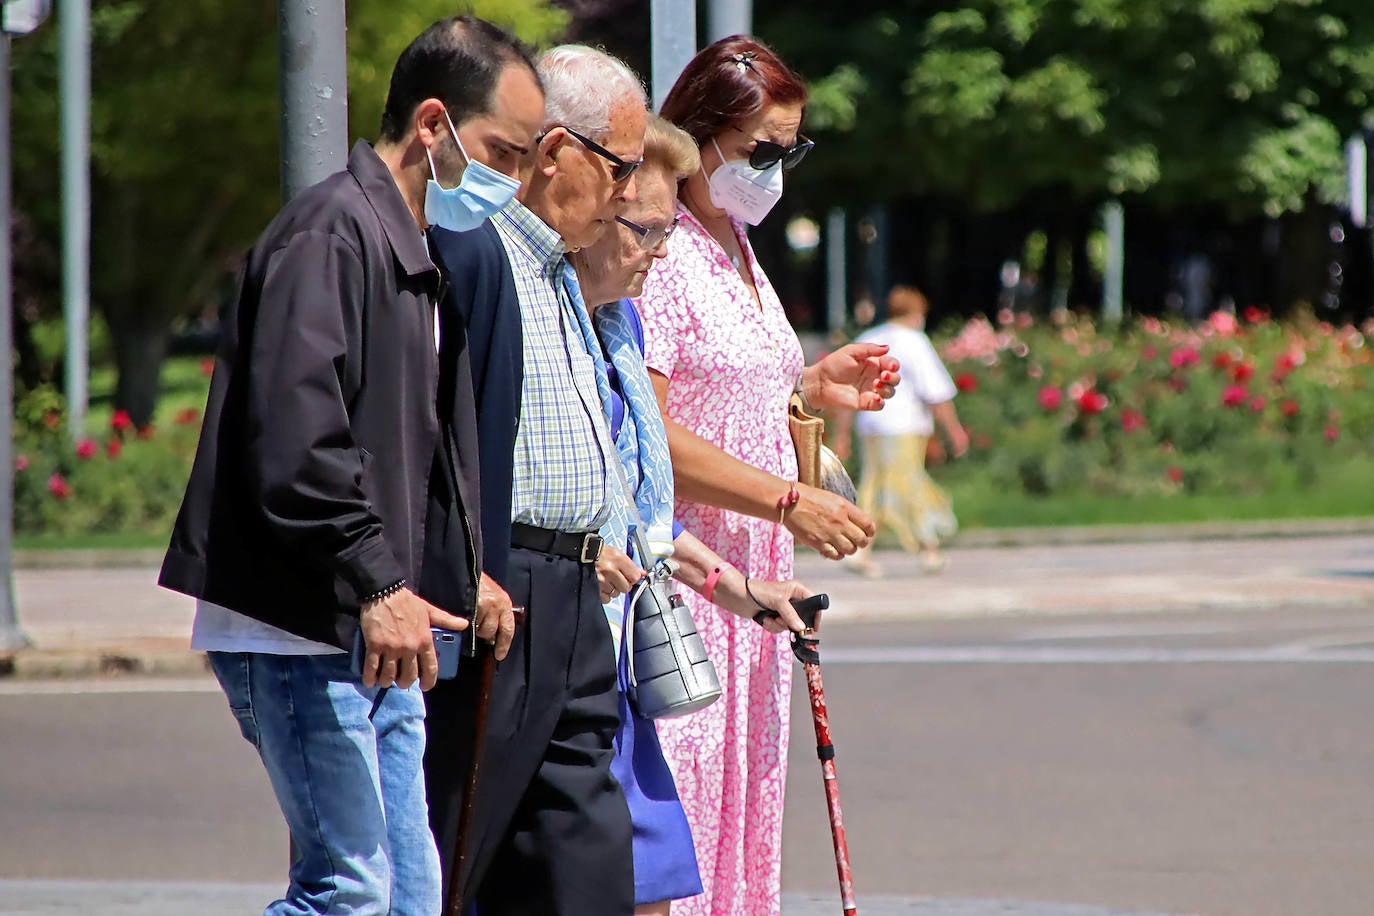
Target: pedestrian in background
<point>303,519</point>
<point>895,489</point>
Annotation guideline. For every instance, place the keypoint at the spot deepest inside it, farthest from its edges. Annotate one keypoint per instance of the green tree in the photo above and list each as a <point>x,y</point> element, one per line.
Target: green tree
<point>1240,105</point>
<point>184,147</point>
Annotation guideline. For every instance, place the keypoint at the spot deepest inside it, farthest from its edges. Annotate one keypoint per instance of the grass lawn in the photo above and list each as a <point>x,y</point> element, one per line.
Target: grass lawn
<point>1342,491</point>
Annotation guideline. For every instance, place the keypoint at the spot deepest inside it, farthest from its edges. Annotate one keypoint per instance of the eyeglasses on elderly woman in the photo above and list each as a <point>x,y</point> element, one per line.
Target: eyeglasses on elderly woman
<point>650,237</point>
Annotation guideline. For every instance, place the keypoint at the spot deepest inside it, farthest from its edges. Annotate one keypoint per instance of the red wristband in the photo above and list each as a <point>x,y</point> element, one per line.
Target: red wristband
<point>708,588</point>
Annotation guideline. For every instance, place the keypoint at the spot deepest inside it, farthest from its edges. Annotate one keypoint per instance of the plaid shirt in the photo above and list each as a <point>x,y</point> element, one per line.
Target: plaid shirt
<point>562,438</point>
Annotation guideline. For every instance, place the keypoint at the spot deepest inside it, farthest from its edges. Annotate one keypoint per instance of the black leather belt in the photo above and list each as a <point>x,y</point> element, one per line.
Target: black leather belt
<point>583,547</point>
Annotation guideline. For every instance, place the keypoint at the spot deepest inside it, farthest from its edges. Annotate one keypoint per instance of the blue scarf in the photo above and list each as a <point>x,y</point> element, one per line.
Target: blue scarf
<point>642,443</point>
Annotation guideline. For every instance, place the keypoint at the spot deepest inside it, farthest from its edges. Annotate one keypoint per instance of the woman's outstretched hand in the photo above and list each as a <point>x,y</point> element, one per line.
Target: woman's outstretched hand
<point>859,376</point>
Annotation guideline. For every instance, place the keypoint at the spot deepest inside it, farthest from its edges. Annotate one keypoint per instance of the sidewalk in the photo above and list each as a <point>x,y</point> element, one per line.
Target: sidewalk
<point>90,619</point>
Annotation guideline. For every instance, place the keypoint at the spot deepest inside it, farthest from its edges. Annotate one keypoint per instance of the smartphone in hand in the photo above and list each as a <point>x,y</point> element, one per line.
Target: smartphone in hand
<point>448,646</point>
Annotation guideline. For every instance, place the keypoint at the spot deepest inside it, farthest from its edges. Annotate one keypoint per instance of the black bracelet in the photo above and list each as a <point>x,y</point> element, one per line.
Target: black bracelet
<point>754,598</point>
<point>387,592</point>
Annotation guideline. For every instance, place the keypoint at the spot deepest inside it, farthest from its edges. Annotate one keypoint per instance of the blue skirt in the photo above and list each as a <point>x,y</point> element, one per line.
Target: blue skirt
<point>665,858</point>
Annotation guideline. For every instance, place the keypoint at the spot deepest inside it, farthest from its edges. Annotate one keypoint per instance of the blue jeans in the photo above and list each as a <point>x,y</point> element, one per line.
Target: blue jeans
<point>352,790</point>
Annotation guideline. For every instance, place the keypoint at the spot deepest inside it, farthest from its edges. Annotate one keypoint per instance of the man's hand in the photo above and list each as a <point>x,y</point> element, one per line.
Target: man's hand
<point>856,377</point>
<point>400,647</point>
<point>616,573</point>
<point>495,618</point>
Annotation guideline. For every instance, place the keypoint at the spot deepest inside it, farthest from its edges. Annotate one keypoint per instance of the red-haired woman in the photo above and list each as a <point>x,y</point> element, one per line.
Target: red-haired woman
<point>724,361</point>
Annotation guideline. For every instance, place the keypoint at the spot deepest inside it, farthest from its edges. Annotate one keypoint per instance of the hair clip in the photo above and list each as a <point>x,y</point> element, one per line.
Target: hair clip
<point>744,60</point>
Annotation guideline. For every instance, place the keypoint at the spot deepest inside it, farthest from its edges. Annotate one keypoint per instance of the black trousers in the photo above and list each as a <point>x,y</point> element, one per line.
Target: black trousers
<point>551,830</point>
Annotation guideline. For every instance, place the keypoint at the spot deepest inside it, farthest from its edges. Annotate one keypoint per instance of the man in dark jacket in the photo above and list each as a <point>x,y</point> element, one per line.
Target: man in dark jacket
<point>304,519</point>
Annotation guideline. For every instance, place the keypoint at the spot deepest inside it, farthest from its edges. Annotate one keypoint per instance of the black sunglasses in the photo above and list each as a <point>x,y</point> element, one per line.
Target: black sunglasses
<point>649,239</point>
<point>767,154</point>
<point>623,168</point>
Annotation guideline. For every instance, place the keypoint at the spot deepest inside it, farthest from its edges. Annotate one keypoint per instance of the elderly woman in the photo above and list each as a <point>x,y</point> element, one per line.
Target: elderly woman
<point>724,362</point>
<point>664,856</point>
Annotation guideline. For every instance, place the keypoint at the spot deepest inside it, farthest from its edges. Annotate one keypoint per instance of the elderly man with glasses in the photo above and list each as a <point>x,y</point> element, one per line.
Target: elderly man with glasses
<point>551,831</point>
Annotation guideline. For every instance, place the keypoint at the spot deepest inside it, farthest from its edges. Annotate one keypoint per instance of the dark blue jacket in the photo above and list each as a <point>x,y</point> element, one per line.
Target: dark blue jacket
<point>482,294</point>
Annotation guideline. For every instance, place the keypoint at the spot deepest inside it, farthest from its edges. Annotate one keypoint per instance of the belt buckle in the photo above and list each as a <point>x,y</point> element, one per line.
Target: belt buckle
<point>591,548</point>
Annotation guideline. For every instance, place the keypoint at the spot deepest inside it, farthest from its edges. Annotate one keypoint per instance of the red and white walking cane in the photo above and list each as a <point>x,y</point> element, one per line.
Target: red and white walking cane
<point>806,646</point>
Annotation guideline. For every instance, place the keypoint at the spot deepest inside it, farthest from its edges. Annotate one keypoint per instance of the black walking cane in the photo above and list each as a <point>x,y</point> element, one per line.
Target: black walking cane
<point>806,647</point>
<point>454,904</point>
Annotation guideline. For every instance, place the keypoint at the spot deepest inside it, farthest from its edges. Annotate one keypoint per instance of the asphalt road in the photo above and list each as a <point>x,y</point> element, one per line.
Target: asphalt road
<point>1216,763</point>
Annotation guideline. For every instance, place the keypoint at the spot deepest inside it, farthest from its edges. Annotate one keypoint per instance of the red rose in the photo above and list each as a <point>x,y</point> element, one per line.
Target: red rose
<point>1289,407</point>
<point>21,463</point>
<point>1175,473</point>
<point>1234,395</point>
<point>1242,372</point>
<point>207,366</point>
<point>1184,357</point>
<point>1131,420</point>
<point>86,449</point>
<point>186,416</point>
<point>1091,402</point>
<point>121,421</point>
<point>966,381</point>
<point>1257,403</point>
<point>58,486</point>
<point>1255,315</point>
<point>1332,433</point>
<point>1050,397</point>
<point>114,447</point>
<point>1222,360</point>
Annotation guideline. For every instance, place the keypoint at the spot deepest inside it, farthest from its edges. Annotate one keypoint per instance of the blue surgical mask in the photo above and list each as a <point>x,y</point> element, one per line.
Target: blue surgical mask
<point>482,192</point>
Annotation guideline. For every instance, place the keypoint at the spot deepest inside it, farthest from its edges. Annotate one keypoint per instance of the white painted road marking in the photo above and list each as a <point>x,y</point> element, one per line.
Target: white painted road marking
<point>1005,655</point>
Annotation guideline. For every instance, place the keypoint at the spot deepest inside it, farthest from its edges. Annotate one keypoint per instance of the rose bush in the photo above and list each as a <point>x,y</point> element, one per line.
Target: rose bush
<point>1232,407</point>
<point>120,480</point>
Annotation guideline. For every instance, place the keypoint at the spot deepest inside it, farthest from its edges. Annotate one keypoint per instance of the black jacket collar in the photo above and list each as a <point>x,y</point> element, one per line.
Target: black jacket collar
<point>379,187</point>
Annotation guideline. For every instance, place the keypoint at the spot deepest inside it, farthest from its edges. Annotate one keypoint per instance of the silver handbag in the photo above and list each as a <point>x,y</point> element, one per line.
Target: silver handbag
<point>670,672</point>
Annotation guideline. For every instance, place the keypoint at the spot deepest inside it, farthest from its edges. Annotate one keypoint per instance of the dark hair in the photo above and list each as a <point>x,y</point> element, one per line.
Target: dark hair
<point>456,60</point>
<point>730,80</point>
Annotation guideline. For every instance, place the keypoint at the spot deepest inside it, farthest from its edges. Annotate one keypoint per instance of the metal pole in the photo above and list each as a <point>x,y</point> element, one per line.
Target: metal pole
<point>75,85</point>
<point>731,17</point>
<point>673,39</point>
<point>1357,179</point>
<point>11,636</point>
<point>835,281</point>
<point>314,91</point>
<point>1113,277</point>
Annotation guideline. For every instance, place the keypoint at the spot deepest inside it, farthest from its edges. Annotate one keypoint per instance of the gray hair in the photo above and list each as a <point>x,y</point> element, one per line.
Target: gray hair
<point>583,85</point>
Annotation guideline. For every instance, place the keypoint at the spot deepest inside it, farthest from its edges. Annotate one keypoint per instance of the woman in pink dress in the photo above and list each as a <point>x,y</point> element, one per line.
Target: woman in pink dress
<point>724,361</point>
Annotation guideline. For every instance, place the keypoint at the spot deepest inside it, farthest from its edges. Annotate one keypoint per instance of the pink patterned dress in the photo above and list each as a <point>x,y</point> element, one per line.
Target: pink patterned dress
<point>731,368</point>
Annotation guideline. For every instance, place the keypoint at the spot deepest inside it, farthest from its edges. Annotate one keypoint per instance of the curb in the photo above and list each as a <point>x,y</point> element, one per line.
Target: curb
<point>101,661</point>
<point>1153,533</point>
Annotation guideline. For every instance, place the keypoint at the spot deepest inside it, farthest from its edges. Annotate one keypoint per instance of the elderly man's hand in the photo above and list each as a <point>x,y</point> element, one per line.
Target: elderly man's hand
<point>495,617</point>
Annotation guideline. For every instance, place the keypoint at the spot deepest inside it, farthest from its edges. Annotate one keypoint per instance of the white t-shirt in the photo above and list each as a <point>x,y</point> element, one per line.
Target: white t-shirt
<point>925,381</point>
<point>218,629</point>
